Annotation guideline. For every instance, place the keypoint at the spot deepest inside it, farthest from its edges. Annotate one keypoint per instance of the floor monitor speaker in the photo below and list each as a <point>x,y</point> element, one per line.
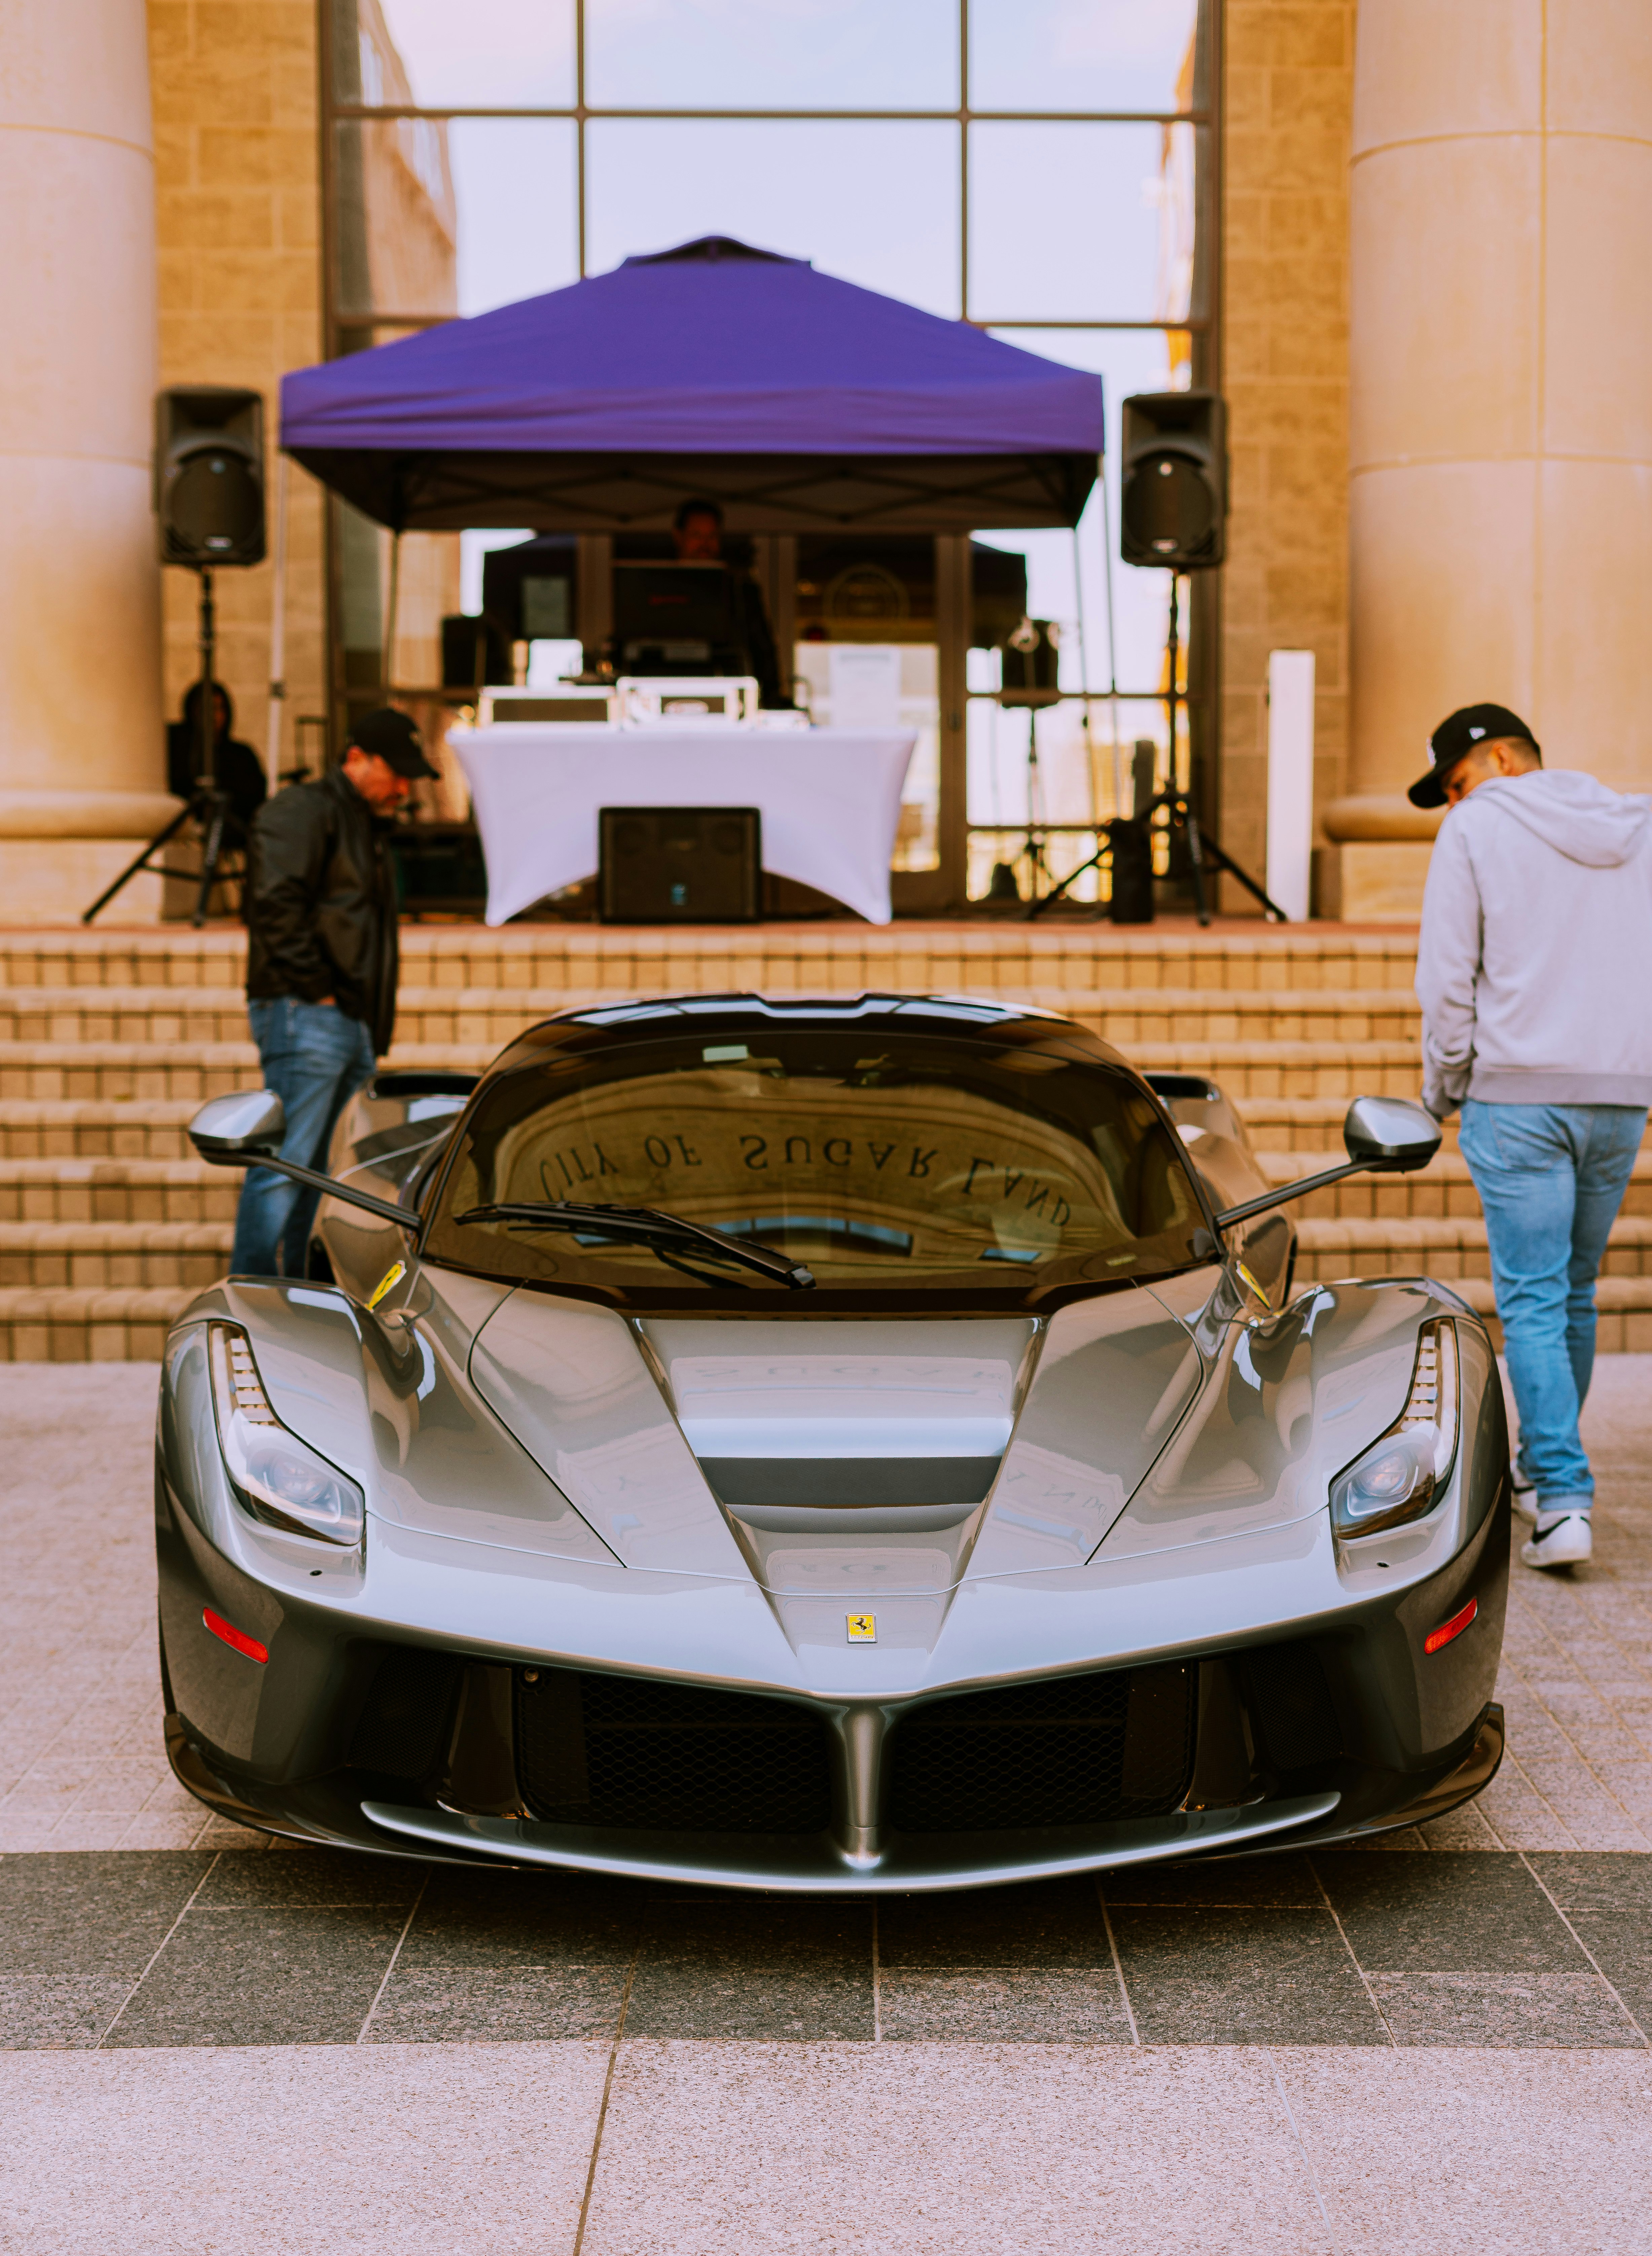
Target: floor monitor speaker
<point>679,865</point>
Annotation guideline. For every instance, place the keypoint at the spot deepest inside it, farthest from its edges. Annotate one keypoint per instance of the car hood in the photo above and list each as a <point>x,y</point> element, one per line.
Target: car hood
<point>843,1464</point>
<point>1146,1440</point>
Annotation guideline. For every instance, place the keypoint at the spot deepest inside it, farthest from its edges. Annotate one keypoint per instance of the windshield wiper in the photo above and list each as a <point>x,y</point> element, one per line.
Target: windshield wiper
<point>648,1225</point>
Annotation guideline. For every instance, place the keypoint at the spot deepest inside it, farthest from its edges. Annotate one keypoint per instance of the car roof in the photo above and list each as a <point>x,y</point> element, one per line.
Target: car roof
<point>829,1009</point>
<point>978,1015</point>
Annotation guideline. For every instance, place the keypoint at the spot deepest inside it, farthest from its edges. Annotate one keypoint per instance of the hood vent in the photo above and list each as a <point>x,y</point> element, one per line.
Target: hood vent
<point>819,1483</point>
<point>830,1417</point>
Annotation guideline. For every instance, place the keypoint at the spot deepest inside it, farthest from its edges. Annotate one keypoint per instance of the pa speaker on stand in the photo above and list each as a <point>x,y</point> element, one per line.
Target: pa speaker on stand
<point>209,475</point>
<point>208,497</point>
<point>1173,517</point>
<point>1173,481</point>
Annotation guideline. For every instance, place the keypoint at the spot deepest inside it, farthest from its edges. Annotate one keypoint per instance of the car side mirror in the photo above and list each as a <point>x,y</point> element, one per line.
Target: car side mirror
<point>1390,1134</point>
<point>249,1129</point>
<point>235,1132</point>
<point>1385,1135</point>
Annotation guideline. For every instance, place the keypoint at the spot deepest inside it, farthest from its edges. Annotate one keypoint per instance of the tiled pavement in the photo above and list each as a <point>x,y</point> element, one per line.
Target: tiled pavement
<point>129,1949</point>
<point>1352,2052</point>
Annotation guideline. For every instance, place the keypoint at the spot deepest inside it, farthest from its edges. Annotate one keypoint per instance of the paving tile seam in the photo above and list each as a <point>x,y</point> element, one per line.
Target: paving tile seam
<point>602,2111</point>
<point>1353,1956</point>
<point>1118,1962</point>
<point>154,1958</point>
<point>1560,1915</point>
<point>419,1893</point>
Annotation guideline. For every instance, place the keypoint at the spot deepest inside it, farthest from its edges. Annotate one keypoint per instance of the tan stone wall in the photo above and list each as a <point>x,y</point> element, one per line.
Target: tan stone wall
<point>239,229</point>
<point>1289,89</point>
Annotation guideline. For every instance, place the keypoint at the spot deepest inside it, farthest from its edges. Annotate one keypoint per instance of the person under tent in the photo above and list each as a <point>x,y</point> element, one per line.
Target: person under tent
<point>698,531</point>
<point>237,770</point>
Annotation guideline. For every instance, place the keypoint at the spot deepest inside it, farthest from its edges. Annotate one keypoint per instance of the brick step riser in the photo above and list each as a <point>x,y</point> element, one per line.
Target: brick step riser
<point>904,957</point>
<point>52,1335</point>
<point>139,1139</point>
<point>110,1273</point>
<point>1353,1201</point>
<point>175,1077</point>
<point>185,1205</point>
<point>196,1084</point>
<point>577,989</point>
<point>58,1268</point>
<point>1413,1199</point>
<point>491,1035</point>
<point>1451,1268</point>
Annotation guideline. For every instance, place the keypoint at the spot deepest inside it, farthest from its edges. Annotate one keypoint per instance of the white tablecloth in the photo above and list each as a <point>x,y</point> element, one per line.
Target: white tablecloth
<point>830,800</point>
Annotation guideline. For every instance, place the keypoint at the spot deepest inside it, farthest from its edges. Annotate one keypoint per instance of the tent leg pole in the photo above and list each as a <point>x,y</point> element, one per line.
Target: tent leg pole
<point>277,633</point>
<point>1113,639</point>
<point>387,665</point>
<point>1083,686</point>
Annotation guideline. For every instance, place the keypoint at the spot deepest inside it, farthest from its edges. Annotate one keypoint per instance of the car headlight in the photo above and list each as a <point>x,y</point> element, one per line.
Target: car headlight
<point>1405,1470</point>
<point>279,1479</point>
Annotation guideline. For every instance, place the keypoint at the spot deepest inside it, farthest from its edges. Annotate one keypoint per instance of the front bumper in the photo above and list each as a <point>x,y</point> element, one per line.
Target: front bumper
<point>1327,1726</point>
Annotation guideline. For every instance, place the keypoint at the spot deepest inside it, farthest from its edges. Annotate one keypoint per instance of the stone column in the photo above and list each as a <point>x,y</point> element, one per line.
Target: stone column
<point>1500,406</point>
<point>82,762</point>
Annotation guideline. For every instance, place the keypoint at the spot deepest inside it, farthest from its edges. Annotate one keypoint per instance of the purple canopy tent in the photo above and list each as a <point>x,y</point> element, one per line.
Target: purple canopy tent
<point>801,402</point>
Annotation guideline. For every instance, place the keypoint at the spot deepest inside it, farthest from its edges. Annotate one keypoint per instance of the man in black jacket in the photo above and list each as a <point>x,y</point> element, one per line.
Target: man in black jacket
<point>320,909</point>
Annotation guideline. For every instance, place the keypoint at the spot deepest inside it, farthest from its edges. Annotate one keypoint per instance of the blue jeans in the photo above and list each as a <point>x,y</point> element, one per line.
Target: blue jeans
<point>1550,1179</point>
<point>314,1059</point>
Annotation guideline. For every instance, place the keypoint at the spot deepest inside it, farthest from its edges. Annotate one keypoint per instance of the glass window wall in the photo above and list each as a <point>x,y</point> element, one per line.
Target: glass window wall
<point>1044,168</point>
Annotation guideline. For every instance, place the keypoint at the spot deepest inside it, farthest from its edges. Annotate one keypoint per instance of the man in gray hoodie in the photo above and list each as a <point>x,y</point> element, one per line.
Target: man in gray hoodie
<point>1532,971</point>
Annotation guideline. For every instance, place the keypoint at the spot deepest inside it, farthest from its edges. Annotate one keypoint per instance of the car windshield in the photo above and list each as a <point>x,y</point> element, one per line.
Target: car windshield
<point>889,1161</point>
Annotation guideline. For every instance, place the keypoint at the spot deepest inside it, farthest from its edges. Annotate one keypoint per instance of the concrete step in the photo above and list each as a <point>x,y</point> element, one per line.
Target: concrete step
<point>1442,1191</point>
<point>1449,1248</point>
<point>927,956</point>
<point>153,1127</point>
<point>93,1128</point>
<point>105,1324</point>
<point>178,1072</point>
<point>100,1256</point>
<point>1623,1311</point>
<point>94,1254</point>
<point>110,1190</point>
<point>1124,1016</point>
<point>99,1189</point>
<point>50,1071</point>
<point>111,1039</point>
<point>45,1324</point>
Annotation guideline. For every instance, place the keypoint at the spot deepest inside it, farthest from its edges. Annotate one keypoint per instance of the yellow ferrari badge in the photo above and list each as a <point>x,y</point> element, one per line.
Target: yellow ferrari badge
<point>393,1276</point>
<point>863,1629</point>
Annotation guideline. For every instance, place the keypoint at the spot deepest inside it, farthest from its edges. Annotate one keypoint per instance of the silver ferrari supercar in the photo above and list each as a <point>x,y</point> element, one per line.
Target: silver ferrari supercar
<point>836,1444</point>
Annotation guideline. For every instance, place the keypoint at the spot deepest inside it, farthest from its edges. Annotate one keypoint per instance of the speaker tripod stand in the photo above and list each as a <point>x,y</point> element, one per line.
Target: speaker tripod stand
<point>207,806</point>
<point>1178,810</point>
<point>1202,851</point>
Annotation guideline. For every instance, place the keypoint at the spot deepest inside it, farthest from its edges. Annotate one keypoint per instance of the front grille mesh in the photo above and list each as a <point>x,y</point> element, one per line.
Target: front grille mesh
<point>1072,1751</point>
<point>618,1751</point>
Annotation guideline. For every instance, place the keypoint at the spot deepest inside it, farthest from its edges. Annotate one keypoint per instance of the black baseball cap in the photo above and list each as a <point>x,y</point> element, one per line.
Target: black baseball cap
<point>1457,736</point>
<point>396,740</point>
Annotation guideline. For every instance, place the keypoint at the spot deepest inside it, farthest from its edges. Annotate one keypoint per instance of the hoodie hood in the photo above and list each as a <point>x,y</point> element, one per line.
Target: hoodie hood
<point>1572,813</point>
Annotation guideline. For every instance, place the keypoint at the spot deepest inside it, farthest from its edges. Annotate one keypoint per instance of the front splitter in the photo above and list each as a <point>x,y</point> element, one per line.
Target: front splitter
<point>912,1866</point>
